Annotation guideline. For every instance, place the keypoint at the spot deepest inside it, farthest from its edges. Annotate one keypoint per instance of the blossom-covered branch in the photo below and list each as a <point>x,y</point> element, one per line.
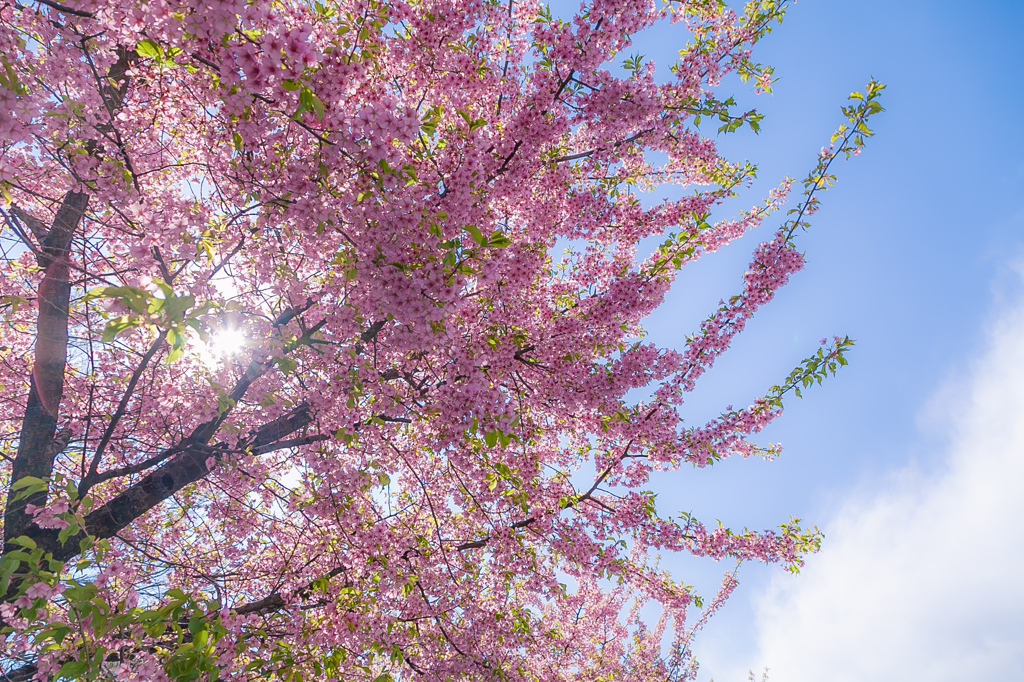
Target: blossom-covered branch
<point>298,382</point>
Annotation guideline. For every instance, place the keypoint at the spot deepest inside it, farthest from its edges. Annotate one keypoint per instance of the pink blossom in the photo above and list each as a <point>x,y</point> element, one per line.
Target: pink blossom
<point>433,440</point>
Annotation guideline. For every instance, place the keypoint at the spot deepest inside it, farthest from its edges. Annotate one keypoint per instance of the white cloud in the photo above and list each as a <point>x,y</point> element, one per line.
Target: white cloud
<point>922,577</point>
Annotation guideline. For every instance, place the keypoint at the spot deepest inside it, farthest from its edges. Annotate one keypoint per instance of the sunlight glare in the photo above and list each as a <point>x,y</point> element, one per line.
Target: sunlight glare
<point>226,342</point>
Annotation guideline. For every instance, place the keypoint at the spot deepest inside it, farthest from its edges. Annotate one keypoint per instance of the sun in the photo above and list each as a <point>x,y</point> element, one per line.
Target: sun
<point>226,342</point>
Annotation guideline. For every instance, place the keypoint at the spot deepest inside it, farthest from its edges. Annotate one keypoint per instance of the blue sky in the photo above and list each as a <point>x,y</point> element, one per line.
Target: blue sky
<point>911,460</point>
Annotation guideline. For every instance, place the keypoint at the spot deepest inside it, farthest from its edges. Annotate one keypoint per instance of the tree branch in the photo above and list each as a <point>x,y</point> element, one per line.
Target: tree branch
<point>188,466</point>
<point>38,227</point>
<point>92,477</point>
<point>46,385</point>
<point>290,443</point>
<point>275,602</point>
<point>64,9</point>
<point>22,674</point>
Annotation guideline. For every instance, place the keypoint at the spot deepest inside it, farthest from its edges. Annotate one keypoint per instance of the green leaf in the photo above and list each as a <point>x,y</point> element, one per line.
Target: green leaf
<point>13,301</point>
<point>308,100</point>
<point>224,403</point>
<point>201,638</point>
<point>29,485</point>
<point>498,240</point>
<point>156,629</point>
<point>24,540</point>
<point>133,297</point>
<point>175,354</point>
<point>148,48</point>
<point>66,532</point>
<point>475,233</point>
<point>72,670</point>
<point>117,327</point>
<point>85,543</point>
<point>177,306</point>
<point>177,593</point>
<point>287,365</point>
<point>318,106</point>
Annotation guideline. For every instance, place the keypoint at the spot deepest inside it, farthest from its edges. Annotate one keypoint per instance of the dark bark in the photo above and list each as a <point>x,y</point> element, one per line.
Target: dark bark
<point>35,225</point>
<point>276,602</point>
<point>187,467</point>
<point>46,386</point>
<point>36,453</point>
<point>22,674</point>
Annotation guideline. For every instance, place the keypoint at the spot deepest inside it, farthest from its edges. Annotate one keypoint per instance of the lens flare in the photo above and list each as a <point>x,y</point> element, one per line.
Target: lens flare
<point>226,342</point>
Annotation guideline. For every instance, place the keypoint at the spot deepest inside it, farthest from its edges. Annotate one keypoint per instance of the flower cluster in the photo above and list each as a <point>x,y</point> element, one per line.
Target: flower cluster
<point>422,224</point>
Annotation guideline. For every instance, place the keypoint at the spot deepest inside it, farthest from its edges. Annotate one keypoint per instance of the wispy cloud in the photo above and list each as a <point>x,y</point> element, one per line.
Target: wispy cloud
<point>922,575</point>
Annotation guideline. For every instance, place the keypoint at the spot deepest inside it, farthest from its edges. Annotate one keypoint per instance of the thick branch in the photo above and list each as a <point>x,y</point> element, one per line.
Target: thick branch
<point>275,602</point>
<point>477,544</point>
<point>46,385</point>
<point>22,674</point>
<point>37,226</point>
<point>290,443</point>
<point>122,407</point>
<point>187,467</point>
<point>64,9</point>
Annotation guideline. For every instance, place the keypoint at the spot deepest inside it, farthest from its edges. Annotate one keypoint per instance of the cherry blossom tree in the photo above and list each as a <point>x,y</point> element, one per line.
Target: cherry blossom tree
<point>294,386</point>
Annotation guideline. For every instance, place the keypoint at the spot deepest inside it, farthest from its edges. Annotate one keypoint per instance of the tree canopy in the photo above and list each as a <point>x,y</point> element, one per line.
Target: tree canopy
<point>298,384</point>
